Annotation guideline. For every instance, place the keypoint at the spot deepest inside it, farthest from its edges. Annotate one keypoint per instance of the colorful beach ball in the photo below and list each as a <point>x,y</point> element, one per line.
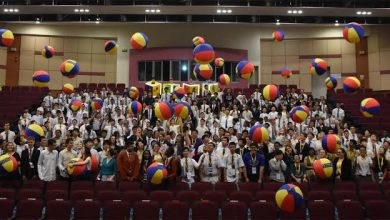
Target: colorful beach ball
<point>133,92</point>
<point>47,51</point>
<point>41,78</point>
<point>278,35</point>
<point>298,114</point>
<point>203,71</point>
<point>323,168</point>
<point>331,143</point>
<point>286,73</point>
<point>353,32</point>
<point>6,38</point>
<point>69,68</point>
<point>331,82</point>
<point>134,107</point>
<point>289,198</point>
<point>224,79</point>
<point>318,67</point>
<point>204,53</point>
<point>76,170</point>
<point>258,134</point>
<point>179,92</point>
<point>75,105</point>
<point>219,62</point>
<point>245,69</point>
<point>68,88</point>
<point>351,84</point>
<point>370,107</point>
<point>97,103</point>
<point>270,92</point>
<point>198,40</point>
<point>139,41</point>
<point>34,130</point>
<point>8,164</point>
<point>156,173</point>
<point>110,47</point>
<point>94,164</point>
<point>307,109</point>
<point>163,110</point>
<point>182,110</point>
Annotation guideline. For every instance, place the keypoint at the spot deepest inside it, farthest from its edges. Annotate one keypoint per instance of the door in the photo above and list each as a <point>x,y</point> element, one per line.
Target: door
<point>13,61</point>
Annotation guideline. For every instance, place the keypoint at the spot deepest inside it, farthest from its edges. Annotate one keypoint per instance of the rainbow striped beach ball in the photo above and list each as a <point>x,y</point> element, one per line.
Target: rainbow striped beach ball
<point>8,164</point>
<point>198,40</point>
<point>68,88</point>
<point>179,92</point>
<point>245,69</point>
<point>353,32</point>
<point>204,53</point>
<point>97,103</point>
<point>6,38</point>
<point>270,92</point>
<point>69,68</point>
<point>76,170</point>
<point>286,73</point>
<point>219,62</point>
<point>133,92</point>
<point>47,51</point>
<point>278,35</point>
<point>34,130</point>
<point>289,198</point>
<point>182,110</point>
<point>370,107</point>
<point>135,108</point>
<point>41,78</point>
<point>139,41</point>
<point>156,173</point>
<point>351,84</point>
<point>224,79</point>
<point>323,168</point>
<point>163,110</point>
<point>203,71</point>
<point>331,143</point>
<point>299,114</point>
<point>318,66</point>
<point>331,82</point>
<point>75,105</point>
<point>258,134</point>
<point>110,47</point>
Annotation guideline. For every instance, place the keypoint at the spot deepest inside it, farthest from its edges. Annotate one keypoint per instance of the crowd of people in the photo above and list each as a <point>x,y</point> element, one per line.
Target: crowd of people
<point>211,145</point>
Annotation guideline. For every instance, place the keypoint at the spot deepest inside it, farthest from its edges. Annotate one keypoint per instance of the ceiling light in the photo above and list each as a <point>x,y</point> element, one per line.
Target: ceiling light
<point>16,10</point>
<point>336,23</point>
<point>37,20</point>
<point>224,11</point>
<point>369,13</point>
<point>152,10</point>
<point>229,11</point>
<point>147,10</point>
<point>295,11</point>
<point>364,12</point>
<point>158,10</point>
<point>11,10</point>
<point>81,10</point>
<point>359,12</point>
<point>97,22</point>
<point>76,10</point>
<point>5,10</point>
<point>86,10</point>
<point>219,11</point>
<point>300,11</point>
<point>277,22</point>
<point>289,11</point>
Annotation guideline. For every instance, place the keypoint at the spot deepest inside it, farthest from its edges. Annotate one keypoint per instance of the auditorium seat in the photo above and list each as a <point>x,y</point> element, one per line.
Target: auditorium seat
<point>81,185</point>
<point>104,186</point>
<point>161,196</point>
<point>108,195</point>
<point>263,210</point>
<point>29,209</point>
<point>249,187</point>
<point>345,186</point>
<point>128,186</point>
<point>34,184</point>
<point>272,186</point>
<point>204,210</point>
<point>316,186</point>
<point>146,210</point>
<point>265,196</point>
<point>350,210</point>
<point>179,186</point>
<point>321,210</point>
<point>219,197</point>
<point>6,208</point>
<point>366,196</point>
<point>116,210</point>
<point>226,186</point>
<point>201,187</point>
<point>377,210</point>
<point>86,210</point>
<point>56,195</point>
<point>188,197</point>
<point>57,184</point>
<point>234,210</point>
<point>30,194</point>
<point>58,210</point>
<point>81,195</point>
<point>7,193</point>
<point>134,196</point>
<point>241,196</point>
<point>296,215</point>
<point>319,195</point>
<point>175,210</point>
<point>344,195</point>
<point>368,186</point>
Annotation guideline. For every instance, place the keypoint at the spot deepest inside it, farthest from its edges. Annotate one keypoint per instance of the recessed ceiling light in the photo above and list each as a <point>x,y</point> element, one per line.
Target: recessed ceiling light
<point>359,12</point>
<point>86,10</point>
<point>364,12</point>
<point>76,10</point>
<point>147,10</point>
<point>224,11</point>
<point>158,10</point>
<point>152,10</point>
<point>336,23</point>
<point>219,11</point>
<point>229,11</point>
<point>289,11</point>
<point>300,11</point>
<point>295,11</point>
<point>81,10</point>
<point>97,22</point>
<point>16,10</point>
<point>11,10</point>
<point>369,13</point>
<point>5,10</point>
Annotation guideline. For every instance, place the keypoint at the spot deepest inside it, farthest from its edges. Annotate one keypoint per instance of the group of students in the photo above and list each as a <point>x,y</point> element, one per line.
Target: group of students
<point>211,145</point>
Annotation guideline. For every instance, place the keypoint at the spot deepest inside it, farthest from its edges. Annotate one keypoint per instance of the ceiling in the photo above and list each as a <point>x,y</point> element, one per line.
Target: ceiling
<point>242,11</point>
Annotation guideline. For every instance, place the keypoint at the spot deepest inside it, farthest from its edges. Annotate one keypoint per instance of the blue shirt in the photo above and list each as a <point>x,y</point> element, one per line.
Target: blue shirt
<point>258,161</point>
<point>108,168</point>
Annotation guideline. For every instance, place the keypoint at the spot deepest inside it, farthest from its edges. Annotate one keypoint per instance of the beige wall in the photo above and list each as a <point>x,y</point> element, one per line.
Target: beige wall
<point>3,61</point>
<point>88,52</point>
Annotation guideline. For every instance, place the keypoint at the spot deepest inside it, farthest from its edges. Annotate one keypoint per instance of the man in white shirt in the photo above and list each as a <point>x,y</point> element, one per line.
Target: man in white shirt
<point>166,96</point>
<point>204,107</point>
<point>60,126</point>
<point>7,135</point>
<point>210,165</point>
<point>338,112</point>
<point>247,114</point>
<point>234,165</point>
<point>188,166</point>
<point>110,129</point>
<point>222,148</point>
<point>202,127</point>
<point>363,165</point>
<point>257,95</point>
<point>38,118</point>
<point>47,162</point>
<point>226,120</point>
<point>64,158</point>
<point>48,101</point>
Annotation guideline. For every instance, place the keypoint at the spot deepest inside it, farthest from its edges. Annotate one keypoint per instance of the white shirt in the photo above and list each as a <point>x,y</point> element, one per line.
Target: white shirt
<point>338,113</point>
<point>47,163</point>
<point>233,167</point>
<point>10,136</point>
<point>247,115</point>
<point>201,130</point>
<point>226,122</point>
<point>188,167</point>
<point>220,151</point>
<point>210,169</point>
<point>363,166</point>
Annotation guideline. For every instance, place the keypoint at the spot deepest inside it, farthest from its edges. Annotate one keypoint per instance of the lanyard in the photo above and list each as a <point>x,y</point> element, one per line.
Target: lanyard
<point>186,165</point>
<point>253,159</point>
<point>233,164</point>
<point>298,167</point>
<point>380,164</point>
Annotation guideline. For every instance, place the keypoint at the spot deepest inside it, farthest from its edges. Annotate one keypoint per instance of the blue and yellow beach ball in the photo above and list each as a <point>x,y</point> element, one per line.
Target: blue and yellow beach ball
<point>133,92</point>
<point>270,92</point>
<point>244,69</point>
<point>278,35</point>
<point>298,114</point>
<point>163,110</point>
<point>331,82</point>
<point>182,110</point>
<point>41,78</point>
<point>8,164</point>
<point>34,130</point>
<point>318,66</point>
<point>323,168</point>
<point>351,84</point>
<point>286,73</point>
<point>204,53</point>
<point>179,92</point>
<point>156,173</point>
<point>224,79</point>
<point>6,38</point>
<point>203,71</point>
<point>110,47</point>
<point>78,170</point>
<point>135,108</point>
<point>198,40</point>
<point>219,62</point>
<point>331,143</point>
<point>258,134</point>
<point>69,68</point>
<point>139,41</point>
<point>68,88</point>
<point>97,103</point>
<point>75,105</point>
<point>289,198</point>
<point>353,32</point>
<point>370,107</point>
<point>47,51</point>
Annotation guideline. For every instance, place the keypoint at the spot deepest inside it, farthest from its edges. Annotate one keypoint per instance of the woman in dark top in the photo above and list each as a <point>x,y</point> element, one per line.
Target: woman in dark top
<point>380,166</point>
<point>342,166</point>
<point>10,150</point>
<point>145,163</point>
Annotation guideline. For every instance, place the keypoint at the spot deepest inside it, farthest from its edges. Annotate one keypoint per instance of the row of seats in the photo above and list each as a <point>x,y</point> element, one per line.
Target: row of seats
<point>98,86</point>
<point>204,210</point>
